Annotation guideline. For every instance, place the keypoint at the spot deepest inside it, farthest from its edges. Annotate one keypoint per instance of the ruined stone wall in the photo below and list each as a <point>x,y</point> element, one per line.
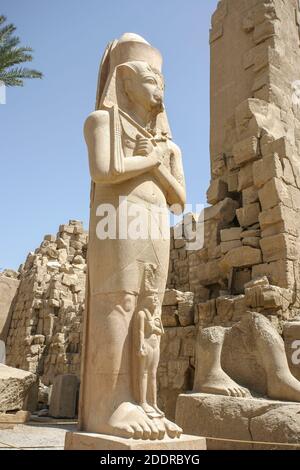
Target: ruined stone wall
<point>250,258</point>
<point>46,327</point>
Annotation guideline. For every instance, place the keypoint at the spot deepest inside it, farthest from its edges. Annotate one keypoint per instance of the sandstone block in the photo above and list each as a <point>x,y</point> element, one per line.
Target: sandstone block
<point>273,193</point>
<point>279,219</point>
<point>15,385</point>
<point>209,273</point>
<point>250,195</point>
<point>63,396</point>
<point>227,246</point>
<point>246,177</point>
<point>265,169</point>
<point>245,151</point>
<point>248,215</point>
<point>240,257</point>
<point>223,212</point>
<point>230,234</point>
<point>281,246</point>
<point>217,191</point>
<point>279,273</point>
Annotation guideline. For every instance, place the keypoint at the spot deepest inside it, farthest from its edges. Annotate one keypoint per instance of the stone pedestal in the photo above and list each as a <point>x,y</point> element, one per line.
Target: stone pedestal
<point>89,441</point>
<point>240,423</point>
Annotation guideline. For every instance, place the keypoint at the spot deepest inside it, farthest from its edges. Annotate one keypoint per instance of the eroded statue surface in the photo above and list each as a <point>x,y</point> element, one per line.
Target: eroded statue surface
<point>135,168</point>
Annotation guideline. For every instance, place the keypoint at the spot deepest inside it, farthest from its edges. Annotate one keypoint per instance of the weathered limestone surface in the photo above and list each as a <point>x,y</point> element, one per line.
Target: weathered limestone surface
<point>14,387</point>
<point>240,419</point>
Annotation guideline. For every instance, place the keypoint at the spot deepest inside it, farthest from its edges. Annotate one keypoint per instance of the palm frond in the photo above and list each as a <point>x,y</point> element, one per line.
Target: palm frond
<point>16,75</point>
<point>12,55</point>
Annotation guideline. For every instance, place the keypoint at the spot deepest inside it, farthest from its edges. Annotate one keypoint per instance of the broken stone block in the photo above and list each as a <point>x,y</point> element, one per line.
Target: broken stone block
<point>230,234</point>
<point>240,257</point>
<point>281,246</point>
<point>172,297</point>
<point>217,191</point>
<point>15,385</point>
<point>223,212</point>
<point>268,297</point>
<point>246,151</point>
<point>248,215</point>
<point>64,396</point>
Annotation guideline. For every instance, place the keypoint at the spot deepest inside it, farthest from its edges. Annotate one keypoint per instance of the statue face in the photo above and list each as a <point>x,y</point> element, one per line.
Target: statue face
<point>146,88</point>
<point>151,302</point>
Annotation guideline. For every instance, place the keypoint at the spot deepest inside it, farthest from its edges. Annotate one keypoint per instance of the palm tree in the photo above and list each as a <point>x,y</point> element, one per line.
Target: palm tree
<point>11,54</point>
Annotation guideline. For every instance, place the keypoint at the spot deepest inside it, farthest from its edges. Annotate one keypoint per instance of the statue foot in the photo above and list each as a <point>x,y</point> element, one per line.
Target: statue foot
<point>151,411</point>
<point>172,429</point>
<point>221,384</point>
<point>131,421</point>
<point>286,388</point>
<point>161,413</point>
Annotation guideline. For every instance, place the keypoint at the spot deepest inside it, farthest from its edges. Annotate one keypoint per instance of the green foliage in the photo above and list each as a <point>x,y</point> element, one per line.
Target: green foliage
<point>11,55</point>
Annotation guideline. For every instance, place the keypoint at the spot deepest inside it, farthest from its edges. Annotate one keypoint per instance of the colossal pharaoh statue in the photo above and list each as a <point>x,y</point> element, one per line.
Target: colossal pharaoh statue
<point>136,169</point>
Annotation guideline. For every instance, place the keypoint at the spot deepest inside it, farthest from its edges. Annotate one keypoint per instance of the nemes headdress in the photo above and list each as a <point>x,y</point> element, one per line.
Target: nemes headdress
<point>129,49</point>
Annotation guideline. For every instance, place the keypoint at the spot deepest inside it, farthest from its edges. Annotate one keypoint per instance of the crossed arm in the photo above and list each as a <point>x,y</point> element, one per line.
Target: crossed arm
<point>98,138</point>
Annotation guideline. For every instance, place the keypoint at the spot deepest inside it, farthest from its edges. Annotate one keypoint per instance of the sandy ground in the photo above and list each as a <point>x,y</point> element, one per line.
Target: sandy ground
<point>36,436</point>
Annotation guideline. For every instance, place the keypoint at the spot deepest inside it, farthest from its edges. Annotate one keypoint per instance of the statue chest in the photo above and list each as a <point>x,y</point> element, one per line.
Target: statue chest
<point>129,138</point>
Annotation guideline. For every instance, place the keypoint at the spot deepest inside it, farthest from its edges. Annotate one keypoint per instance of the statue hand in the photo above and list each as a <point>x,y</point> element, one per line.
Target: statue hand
<point>144,147</point>
<point>142,351</point>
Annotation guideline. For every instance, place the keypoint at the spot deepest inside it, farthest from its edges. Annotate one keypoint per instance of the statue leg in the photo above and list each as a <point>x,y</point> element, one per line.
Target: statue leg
<point>209,375</point>
<point>107,404</point>
<point>152,389</point>
<point>282,385</point>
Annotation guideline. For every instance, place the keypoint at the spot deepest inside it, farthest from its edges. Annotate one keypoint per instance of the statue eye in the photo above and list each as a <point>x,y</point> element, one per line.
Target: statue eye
<point>151,80</point>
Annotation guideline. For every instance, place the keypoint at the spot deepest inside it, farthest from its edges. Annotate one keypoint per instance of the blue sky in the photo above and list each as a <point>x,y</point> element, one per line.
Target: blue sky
<point>44,179</point>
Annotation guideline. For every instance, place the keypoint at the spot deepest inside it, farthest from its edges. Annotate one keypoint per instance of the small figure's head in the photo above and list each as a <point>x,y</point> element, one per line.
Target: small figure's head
<point>151,302</point>
<point>143,86</point>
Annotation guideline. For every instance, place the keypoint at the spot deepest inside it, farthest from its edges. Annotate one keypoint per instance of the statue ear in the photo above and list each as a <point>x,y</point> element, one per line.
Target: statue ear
<point>125,74</point>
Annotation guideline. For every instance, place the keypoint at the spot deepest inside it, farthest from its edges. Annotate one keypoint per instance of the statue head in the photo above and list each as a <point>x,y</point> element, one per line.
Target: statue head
<point>143,86</point>
<point>130,73</point>
<point>151,302</point>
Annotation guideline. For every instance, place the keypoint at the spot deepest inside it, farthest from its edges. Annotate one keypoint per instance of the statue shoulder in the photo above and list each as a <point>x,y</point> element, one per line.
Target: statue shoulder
<point>175,148</point>
<point>97,119</point>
